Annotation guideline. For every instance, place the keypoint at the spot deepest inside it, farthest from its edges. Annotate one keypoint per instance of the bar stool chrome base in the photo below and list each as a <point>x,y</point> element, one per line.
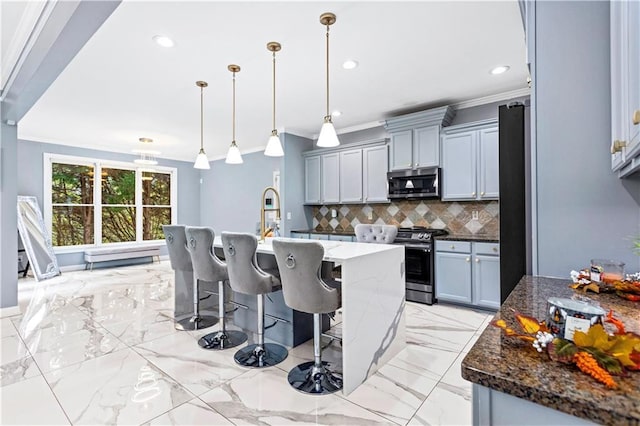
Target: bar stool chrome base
<point>196,322</point>
<point>309,378</point>
<point>256,356</point>
<point>220,340</point>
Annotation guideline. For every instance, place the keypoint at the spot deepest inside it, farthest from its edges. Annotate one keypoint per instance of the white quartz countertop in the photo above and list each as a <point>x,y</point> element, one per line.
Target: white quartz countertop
<point>334,251</point>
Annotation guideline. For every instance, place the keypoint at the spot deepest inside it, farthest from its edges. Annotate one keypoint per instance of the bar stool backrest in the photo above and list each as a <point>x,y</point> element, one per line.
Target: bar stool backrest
<point>303,289</point>
<point>206,264</point>
<point>177,246</point>
<point>245,276</point>
<point>380,234</point>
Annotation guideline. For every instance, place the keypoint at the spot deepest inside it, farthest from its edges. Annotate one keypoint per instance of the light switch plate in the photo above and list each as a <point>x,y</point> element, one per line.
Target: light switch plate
<point>334,213</point>
<point>474,215</point>
<point>288,215</point>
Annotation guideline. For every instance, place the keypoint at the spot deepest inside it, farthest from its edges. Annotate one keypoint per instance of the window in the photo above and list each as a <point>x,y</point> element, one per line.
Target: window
<point>126,204</point>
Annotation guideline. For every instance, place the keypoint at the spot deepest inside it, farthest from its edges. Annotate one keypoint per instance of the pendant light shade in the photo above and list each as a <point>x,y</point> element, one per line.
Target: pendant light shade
<point>274,146</point>
<point>328,136</point>
<point>202,162</point>
<point>233,155</point>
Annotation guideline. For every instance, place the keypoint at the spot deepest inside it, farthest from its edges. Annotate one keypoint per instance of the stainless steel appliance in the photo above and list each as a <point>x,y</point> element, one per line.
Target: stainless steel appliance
<point>419,262</point>
<point>414,184</point>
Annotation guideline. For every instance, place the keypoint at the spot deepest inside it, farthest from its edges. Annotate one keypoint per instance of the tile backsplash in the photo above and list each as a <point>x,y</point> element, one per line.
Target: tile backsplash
<point>455,217</point>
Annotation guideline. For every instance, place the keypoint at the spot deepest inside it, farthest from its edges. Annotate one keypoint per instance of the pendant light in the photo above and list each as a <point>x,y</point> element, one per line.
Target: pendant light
<point>233,155</point>
<point>202,162</point>
<point>328,137</point>
<point>274,146</point>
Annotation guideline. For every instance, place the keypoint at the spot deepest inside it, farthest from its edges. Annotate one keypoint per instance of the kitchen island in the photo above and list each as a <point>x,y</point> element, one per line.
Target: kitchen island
<point>373,290</point>
<point>514,384</point>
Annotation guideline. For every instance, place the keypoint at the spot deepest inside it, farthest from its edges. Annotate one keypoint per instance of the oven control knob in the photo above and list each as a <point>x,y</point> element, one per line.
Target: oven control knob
<point>421,236</point>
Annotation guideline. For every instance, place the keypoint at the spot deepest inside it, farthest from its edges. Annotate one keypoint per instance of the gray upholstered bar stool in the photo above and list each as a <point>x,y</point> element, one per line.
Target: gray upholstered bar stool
<point>180,259</point>
<point>299,264</point>
<point>245,276</point>
<point>208,267</point>
<point>379,234</point>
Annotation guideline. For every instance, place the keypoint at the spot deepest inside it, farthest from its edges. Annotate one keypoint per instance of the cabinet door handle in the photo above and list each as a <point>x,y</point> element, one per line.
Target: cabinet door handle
<point>617,146</point>
<point>477,260</point>
<point>482,194</point>
<point>409,165</point>
<point>467,259</point>
<point>636,117</point>
<point>495,249</point>
<point>453,247</point>
<point>473,194</point>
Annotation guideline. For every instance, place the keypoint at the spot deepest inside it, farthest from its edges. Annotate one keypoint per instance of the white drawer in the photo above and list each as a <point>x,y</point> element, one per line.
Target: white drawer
<point>453,246</point>
<point>488,248</point>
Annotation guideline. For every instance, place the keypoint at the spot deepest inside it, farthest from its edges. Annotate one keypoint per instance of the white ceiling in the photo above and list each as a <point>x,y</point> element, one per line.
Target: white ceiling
<point>122,86</point>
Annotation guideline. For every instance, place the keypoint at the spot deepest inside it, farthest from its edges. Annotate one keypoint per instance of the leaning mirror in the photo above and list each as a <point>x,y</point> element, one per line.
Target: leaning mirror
<point>36,239</point>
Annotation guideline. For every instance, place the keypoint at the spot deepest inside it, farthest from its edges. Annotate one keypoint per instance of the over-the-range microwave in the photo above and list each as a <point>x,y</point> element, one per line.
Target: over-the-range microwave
<point>414,184</point>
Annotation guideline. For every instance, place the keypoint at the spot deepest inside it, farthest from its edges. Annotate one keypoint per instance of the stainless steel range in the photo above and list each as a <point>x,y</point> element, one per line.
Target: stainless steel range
<point>419,262</point>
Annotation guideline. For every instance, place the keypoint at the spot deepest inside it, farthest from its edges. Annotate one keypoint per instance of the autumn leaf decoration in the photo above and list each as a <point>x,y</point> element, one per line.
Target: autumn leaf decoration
<point>595,353</point>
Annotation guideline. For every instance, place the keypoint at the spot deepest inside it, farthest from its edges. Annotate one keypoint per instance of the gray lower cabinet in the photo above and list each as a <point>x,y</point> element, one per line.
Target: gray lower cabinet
<point>468,273</point>
<point>312,180</point>
<point>318,236</point>
<point>300,235</point>
<point>347,238</point>
<point>351,176</point>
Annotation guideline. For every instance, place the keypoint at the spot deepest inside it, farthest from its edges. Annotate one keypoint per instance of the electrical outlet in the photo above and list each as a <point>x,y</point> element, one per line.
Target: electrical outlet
<point>334,213</point>
<point>474,215</point>
<point>370,215</point>
<point>288,215</point>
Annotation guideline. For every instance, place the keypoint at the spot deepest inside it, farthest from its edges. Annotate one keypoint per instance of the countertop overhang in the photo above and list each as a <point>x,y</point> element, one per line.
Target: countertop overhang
<point>512,366</point>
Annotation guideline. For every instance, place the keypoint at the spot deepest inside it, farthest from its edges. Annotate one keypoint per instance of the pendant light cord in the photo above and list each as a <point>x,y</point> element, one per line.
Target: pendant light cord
<point>233,139</point>
<point>328,73</point>
<point>274,90</point>
<point>201,119</point>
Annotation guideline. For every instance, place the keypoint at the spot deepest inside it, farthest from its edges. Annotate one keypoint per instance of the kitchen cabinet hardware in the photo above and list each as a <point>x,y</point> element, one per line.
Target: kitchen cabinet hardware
<point>453,247</point>
<point>636,117</point>
<point>495,249</point>
<point>473,193</point>
<point>617,146</point>
<point>477,260</point>
<point>467,259</point>
<point>482,193</point>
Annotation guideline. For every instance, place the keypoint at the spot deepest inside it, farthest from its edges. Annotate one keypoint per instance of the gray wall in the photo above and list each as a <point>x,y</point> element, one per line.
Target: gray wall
<point>30,181</point>
<point>230,195</point>
<point>8,216</point>
<point>292,183</point>
<point>583,210</point>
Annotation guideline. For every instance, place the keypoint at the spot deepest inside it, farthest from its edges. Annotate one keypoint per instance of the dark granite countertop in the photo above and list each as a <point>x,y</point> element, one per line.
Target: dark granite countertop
<point>474,238</point>
<point>511,366</point>
<point>313,231</point>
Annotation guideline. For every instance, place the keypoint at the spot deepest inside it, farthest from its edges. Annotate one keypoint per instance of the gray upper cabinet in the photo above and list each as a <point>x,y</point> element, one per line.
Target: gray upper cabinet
<point>415,138</point>
<point>375,160</point>
<point>351,176</point>
<point>459,166</point>
<point>355,173</point>
<point>330,178</point>
<point>625,87</point>
<point>426,142</point>
<point>312,180</point>
<point>488,165</point>
<point>402,150</point>
<point>470,167</point>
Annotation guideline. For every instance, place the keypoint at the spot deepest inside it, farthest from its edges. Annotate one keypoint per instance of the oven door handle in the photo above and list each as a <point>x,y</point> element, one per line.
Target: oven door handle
<point>420,248</point>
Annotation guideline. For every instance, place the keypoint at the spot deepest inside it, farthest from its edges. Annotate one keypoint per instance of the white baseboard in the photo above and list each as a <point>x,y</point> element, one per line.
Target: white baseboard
<point>10,311</point>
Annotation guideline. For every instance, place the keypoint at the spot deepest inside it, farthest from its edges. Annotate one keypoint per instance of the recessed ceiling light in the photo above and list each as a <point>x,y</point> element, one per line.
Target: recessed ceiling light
<point>163,41</point>
<point>336,113</point>
<point>349,64</point>
<point>500,69</point>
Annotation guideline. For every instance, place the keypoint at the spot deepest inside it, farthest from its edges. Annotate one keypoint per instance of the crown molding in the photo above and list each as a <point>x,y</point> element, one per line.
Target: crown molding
<point>525,91</point>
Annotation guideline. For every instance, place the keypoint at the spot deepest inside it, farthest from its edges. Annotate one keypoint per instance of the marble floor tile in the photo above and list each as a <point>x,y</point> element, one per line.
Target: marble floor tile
<point>443,407</point>
<point>264,397</point>
<point>118,388</point>
<point>30,402</point>
<point>7,328</point>
<point>197,369</point>
<point>439,336</point>
<point>452,381</point>
<point>194,412</point>
<point>393,393</point>
<point>16,363</point>
<point>428,362</point>
<point>331,353</point>
<point>138,325</point>
<point>462,318</point>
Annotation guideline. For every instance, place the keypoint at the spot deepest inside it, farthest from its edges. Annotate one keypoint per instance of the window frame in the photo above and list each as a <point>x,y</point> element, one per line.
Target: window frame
<point>97,165</point>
